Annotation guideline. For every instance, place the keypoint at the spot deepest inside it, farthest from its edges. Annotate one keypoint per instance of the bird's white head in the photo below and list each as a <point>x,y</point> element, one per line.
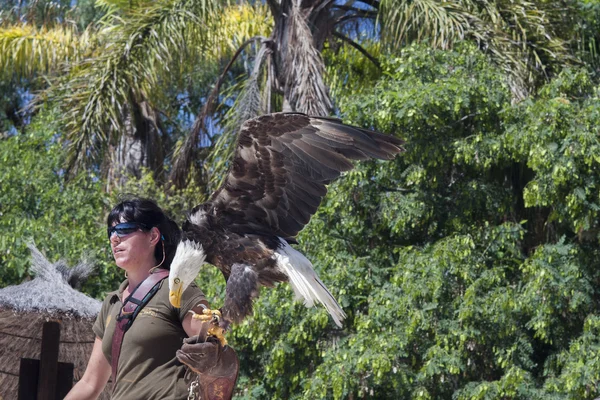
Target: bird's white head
<point>186,264</point>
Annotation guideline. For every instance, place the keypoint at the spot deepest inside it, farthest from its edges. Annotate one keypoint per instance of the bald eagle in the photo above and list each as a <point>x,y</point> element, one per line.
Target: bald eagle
<point>276,182</point>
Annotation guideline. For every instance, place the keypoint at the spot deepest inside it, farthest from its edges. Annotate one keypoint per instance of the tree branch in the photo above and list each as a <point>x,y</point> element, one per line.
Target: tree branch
<point>373,3</point>
<point>369,13</point>
<point>359,48</point>
<point>183,158</point>
<point>322,6</point>
<point>275,8</point>
<point>345,18</point>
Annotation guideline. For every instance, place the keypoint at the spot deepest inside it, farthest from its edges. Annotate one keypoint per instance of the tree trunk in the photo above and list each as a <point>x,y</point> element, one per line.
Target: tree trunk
<point>299,34</point>
<point>140,147</point>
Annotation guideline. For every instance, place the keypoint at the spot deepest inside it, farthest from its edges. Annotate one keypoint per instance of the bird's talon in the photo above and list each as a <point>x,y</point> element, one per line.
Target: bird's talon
<point>224,324</point>
<point>215,315</point>
<point>215,318</point>
<point>202,317</point>
<point>218,333</point>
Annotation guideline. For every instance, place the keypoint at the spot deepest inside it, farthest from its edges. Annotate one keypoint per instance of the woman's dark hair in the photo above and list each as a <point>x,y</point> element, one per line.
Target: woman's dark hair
<point>147,212</point>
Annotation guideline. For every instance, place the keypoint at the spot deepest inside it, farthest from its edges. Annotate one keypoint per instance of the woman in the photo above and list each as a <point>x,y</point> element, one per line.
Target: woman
<point>142,239</point>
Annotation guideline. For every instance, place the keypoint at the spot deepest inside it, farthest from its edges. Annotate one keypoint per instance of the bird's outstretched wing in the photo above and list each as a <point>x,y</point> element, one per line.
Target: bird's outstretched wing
<point>281,166</point>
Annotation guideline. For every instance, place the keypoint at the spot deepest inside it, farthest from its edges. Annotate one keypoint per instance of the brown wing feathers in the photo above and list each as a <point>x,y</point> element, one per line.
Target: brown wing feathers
<point>283,162</point>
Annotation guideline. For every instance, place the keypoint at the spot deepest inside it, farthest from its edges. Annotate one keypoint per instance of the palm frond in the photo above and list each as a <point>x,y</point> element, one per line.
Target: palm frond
<point>96,91</point>
<point>441,23</point>
<point>185,154</point>
<point>236,27</point>
<point>26,50</point>
<point>519,36</point>
<point>236,24</point>
<point>249,103</point>
<point>349,70</point>
<point>124,6</point>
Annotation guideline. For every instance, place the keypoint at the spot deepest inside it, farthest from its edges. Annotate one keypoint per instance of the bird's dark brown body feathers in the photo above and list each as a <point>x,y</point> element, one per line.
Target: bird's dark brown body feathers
<point>224,248</point>
<point>232,252</point>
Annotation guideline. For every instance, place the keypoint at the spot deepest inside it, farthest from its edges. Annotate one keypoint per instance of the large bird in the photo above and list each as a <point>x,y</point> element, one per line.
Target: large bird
<point>276,182</point>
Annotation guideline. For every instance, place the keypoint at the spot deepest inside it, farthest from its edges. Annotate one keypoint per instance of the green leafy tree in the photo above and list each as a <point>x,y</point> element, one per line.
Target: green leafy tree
<point>65,217</point>
<point>463,276</point>
<point>38,204</point>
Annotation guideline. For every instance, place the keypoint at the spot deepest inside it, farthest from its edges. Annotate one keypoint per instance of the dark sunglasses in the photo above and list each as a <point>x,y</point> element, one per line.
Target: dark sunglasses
<point>126,228</point>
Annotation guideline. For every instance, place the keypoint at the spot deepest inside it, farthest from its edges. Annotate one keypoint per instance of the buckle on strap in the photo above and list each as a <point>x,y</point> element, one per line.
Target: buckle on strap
<point>125,314</point>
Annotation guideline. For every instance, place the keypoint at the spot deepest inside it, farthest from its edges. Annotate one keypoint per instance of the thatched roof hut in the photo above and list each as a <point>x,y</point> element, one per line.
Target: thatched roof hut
<point>49,297</point>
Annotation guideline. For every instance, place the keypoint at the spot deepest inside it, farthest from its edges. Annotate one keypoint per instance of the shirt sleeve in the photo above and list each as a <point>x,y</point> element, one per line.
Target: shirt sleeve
<point>190,299</point>
<point>99,325</point>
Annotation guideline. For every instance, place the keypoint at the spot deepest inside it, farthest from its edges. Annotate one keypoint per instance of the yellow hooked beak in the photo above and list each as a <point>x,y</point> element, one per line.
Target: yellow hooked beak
<point>175,293</point>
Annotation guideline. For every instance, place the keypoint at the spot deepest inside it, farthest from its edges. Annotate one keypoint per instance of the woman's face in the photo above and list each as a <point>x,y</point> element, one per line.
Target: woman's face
<point>133,250</point>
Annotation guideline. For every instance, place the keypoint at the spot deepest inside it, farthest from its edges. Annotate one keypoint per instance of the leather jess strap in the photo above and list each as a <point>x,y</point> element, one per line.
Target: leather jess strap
<point>131,308</point>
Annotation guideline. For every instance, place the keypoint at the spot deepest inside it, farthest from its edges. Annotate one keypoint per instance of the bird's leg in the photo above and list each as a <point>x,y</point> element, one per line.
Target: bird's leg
<point>214,318</point>
<point>224,324</point>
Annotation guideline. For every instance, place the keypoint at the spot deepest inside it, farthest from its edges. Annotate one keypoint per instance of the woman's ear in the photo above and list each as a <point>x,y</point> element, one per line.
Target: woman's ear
<point>155,235</point>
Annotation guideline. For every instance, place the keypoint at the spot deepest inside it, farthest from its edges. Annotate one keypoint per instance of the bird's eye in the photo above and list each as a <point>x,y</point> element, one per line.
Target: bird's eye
<point>177,280</point>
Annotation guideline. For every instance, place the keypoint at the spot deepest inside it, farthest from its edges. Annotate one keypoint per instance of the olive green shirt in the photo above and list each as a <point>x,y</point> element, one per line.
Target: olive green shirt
<point>148,368</point>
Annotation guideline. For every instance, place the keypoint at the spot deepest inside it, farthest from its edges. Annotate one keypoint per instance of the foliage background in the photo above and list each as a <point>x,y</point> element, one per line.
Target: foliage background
<point>468,267</point>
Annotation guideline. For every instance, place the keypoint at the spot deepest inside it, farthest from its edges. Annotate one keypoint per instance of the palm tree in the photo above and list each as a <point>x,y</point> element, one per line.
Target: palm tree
<point>110,100</point>
<point>27,52</point>
<point>519,36</point>
<point>104,77</point>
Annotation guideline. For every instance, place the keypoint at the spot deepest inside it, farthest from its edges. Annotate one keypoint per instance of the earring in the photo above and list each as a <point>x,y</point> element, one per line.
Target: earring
<point>126,277</point>
<point>163,259</point>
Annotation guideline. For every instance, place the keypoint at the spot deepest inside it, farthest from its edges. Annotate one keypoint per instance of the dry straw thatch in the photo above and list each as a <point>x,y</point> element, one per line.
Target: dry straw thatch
<point>49,297</point>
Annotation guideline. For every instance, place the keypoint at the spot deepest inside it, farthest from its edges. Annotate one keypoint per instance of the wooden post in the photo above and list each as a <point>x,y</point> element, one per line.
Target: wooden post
<point>28,378</point>
<point>46,378</point>
<point>49,361</point>
<point>64,382</point>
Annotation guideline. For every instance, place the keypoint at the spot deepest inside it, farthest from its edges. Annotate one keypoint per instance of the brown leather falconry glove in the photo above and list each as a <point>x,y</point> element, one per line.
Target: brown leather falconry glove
<point>217,366</point>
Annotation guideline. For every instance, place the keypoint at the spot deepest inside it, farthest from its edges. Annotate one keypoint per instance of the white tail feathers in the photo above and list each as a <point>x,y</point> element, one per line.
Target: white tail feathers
<point>305,282</point>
